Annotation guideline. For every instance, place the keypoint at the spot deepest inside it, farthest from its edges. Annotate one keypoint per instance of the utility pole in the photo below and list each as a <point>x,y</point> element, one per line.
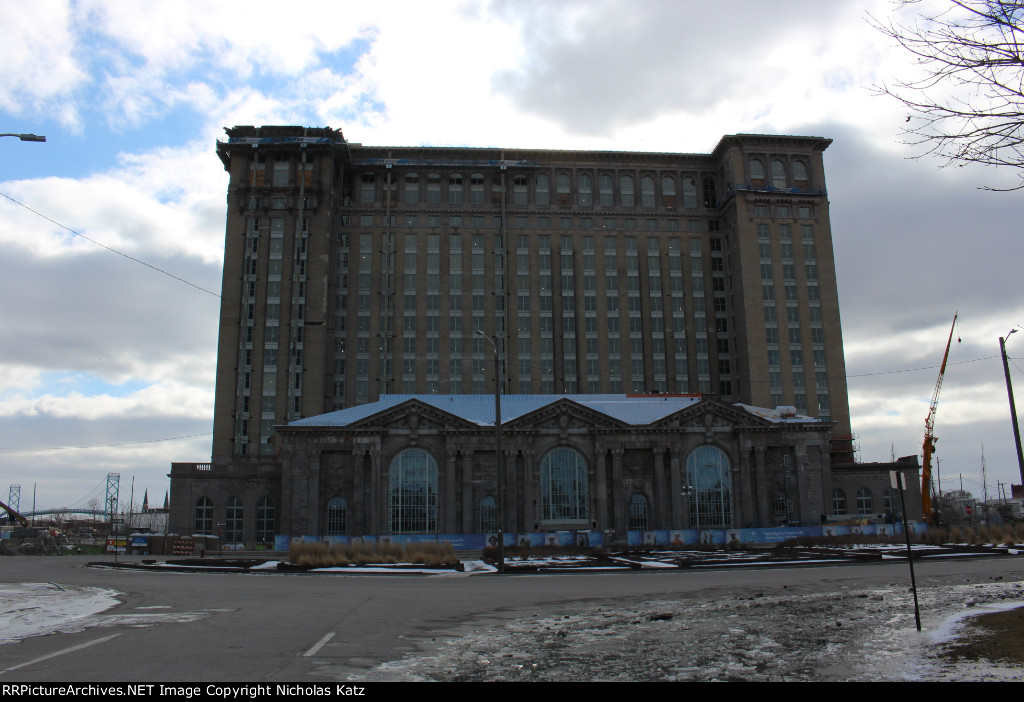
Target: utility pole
<point>1013,407</point>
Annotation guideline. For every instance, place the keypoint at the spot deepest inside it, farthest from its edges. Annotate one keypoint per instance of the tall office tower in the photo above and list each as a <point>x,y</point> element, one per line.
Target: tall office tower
<point>353,271</point>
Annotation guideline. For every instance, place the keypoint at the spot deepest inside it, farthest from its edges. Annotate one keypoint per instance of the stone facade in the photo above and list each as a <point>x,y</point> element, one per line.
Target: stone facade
<point>775,472</point>
<point>353,271</point>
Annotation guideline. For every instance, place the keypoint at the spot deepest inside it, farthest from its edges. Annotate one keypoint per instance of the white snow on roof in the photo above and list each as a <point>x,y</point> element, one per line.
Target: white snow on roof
<point>637,410</point>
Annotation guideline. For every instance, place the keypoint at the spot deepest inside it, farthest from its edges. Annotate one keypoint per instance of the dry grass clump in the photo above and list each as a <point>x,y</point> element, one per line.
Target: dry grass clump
<point>324,555</point>
<point>431,554</point>
<point>1004,534</point>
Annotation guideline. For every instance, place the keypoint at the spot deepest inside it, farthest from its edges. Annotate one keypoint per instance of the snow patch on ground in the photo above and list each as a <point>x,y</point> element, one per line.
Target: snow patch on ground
<point>850,635</point>
<point>36,609</point>
<point>32,609</point>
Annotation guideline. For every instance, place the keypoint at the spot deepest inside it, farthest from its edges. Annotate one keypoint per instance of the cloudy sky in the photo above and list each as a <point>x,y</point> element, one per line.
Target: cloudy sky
<point>107,365</point>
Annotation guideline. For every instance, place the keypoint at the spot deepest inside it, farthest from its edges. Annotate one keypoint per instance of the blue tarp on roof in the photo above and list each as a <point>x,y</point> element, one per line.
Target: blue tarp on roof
<point>479,409</point>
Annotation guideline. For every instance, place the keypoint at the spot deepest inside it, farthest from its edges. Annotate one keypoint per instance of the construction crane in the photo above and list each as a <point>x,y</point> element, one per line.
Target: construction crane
<point>929,434</point>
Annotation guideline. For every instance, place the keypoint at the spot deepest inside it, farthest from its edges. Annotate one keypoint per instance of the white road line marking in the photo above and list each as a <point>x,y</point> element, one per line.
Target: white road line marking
<point>61,653</point>
<point>319,644</point>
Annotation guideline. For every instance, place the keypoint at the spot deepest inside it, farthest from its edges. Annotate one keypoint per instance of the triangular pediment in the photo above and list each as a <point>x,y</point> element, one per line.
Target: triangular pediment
<point>711,413</point>
<point>564,414</point>
<point>414,415</point>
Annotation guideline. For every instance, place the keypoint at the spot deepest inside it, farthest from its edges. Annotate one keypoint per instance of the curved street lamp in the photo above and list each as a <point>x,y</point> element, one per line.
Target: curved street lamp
<point>26,137</point>
<point>499,463</point>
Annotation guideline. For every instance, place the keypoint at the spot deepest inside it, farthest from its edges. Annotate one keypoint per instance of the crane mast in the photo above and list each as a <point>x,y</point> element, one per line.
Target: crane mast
<point>929,434</point>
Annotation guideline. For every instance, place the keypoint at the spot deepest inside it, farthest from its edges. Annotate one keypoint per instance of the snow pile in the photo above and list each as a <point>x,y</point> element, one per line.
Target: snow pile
<point>32,609</point>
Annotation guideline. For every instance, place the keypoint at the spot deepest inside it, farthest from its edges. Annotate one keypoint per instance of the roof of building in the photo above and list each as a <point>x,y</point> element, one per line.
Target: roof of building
<point>636,410</point>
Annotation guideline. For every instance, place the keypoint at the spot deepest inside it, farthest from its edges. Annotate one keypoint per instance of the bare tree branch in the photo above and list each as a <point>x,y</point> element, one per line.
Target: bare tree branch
<point>967,104</point>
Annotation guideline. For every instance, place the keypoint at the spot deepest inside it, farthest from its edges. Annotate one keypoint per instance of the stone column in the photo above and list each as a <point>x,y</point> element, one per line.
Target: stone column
<point>311,512</point>
<point>508,464</point>
<point>378,495</point>
<point>825,466</point>
<point>358,503</point>
<point>803,504</point>
<point>287,520</point>
<point>617,492</point>
<point>448,506</point>
<point>468,527</point>
<point>746,498</point>
<point>529,492</point>
<point>659,489</point>
<point>601,478</point>
<point>678,512</point>
<point>762,487</point>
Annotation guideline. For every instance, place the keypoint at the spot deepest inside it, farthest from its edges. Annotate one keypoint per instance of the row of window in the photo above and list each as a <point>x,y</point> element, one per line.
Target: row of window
<point>564,491</point>
<point>778,174</point>
<point>266,524</point>
<point>538,189</point>
<point>522,222</point>
<point>564,497</point>
<point>865,504</point>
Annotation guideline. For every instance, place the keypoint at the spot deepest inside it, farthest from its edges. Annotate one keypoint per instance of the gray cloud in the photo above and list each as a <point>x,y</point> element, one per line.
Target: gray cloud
<point>100,313</point>
<point>596,66</point>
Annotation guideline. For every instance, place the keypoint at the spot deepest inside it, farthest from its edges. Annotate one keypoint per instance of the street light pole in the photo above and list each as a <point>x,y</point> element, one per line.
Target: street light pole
<point>26,137</point>
<point>499,457</point>
<point>1013,407</point>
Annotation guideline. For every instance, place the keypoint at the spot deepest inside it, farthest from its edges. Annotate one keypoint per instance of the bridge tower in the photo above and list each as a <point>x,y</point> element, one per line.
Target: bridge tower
<point>113,488</point>
<point>14,497</point>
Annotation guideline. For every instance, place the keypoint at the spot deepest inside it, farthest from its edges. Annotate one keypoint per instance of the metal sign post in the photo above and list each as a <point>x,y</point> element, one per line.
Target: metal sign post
<point>897,482</point>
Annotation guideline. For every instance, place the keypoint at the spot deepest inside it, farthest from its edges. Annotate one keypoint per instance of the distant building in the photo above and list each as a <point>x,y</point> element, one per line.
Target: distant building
<point>354,272</point>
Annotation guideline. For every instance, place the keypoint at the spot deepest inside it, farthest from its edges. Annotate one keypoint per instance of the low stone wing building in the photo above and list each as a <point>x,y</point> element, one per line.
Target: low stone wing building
<point>594,468</point>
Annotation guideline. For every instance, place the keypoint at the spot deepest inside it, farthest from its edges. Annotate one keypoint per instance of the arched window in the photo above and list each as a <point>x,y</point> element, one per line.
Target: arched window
<point>710,483</point>
<point>838,501</point>
<point>455,189</point>
<point>647,191</point>
<point>476,189</point>
<point>412,188</point>
<point>668,192</point>
<point>800,179</point>
<point>265,524</point>
<point>778,174</point>
<point>607,187</point>
<point>757,173</point>
<point>204,516</point>
<point>689,194</point>
<point>638,512</point>
<point>543,190</point>
<point>626,191</point>
<point>564,186</point>
<point>488,515</point>
<point>585,185</point>
<point>563,487</point>
<point>865,502</point>
<point>520,187</point>
<point>233,521</point>
<point>710,196</point>
<point>336,513</point>
<point>412,503</point>
<point>433,189</point>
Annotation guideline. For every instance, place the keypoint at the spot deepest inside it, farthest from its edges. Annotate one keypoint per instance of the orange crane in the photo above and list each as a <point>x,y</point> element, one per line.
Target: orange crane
<point>929,434</point>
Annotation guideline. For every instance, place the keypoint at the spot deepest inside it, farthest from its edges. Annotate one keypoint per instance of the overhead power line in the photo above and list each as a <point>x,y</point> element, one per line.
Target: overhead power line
<point>112,250</point>
<point>127,443</point>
